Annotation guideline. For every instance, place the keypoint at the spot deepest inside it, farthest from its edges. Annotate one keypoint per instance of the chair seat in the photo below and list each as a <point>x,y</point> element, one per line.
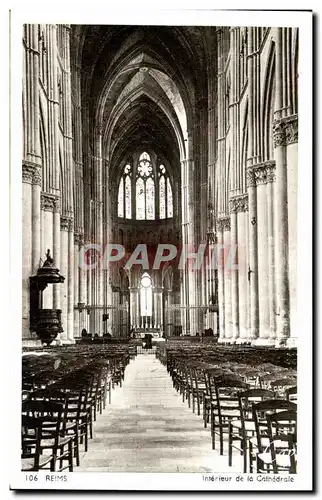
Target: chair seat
<point>230,413</point>
<point>282,459</point>
<point>72,416</point>
<point>28,464</point>
<point>249,425</point>
<point>49,443</point>
<point>265,442</point>
<point>48,428</point>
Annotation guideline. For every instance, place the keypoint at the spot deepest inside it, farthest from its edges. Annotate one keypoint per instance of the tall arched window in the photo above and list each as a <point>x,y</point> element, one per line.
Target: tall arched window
<point>162,197</point>
<point>150,199</point>
<point>165,194</point>
<point>138,191</point>
<point>125,193</point>
<point>169,199</point>
<point>121,198</point>
<point>145,188</point>
<point>140,199</point>
<point>128,197</point>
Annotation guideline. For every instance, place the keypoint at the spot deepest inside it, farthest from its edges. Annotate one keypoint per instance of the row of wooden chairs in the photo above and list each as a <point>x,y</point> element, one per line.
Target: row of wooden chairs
<point>58,410</point>
<point>228,395</point>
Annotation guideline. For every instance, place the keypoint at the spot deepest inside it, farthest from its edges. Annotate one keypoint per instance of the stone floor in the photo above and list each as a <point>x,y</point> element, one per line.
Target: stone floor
<point>148,428</point>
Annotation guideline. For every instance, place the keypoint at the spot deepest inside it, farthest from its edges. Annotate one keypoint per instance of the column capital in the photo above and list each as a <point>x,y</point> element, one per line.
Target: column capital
<point>250,177</point>
<point>49,202</point>
<point>278,134</point>
<point>78,236</point>
<point>66,223</point>
<point>291,129</point>
<point>31,173</point>
<point>36,180</point>
<point>223,223</point>
<point>238,203</point>
<point>261,173</point>
<point>285,131</point>
<point>264,172</point>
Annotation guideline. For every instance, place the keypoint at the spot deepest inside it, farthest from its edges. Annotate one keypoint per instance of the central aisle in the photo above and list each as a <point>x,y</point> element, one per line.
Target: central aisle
<point>148,428</point>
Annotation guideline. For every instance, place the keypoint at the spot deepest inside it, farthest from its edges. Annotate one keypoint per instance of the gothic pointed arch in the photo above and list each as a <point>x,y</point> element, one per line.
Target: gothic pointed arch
<point>268,105</point>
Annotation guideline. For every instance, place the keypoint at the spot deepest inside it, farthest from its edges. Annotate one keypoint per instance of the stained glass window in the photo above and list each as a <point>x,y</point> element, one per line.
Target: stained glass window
<point>128,197</point>
<point>144,191</point>
<point>169,200</point>
<point>140,199</point>
<point>120,211</point>
<point>162,198</point>
<point>125,194</point>
<point>150,199</point>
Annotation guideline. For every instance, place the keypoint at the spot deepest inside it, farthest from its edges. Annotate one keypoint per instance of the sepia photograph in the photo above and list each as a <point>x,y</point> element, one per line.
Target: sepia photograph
<point>161,323</point>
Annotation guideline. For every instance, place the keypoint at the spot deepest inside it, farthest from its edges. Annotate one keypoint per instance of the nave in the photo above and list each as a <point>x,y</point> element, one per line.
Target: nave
<point>148,428</point>
<point>179,407</point>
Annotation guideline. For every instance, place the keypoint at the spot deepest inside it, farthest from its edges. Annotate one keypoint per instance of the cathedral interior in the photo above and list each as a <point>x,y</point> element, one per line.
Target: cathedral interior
<point>159,263</point>
<point>181,136</point>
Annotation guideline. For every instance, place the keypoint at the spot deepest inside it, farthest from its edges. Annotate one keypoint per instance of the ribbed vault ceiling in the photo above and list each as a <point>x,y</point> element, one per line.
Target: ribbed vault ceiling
<point>139,85</point>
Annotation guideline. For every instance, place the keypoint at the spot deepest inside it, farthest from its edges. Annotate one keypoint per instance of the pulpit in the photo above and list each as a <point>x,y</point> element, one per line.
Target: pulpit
<point>46,323</point>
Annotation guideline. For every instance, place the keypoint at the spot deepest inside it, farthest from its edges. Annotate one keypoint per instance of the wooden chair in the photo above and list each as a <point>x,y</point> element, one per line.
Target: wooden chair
<point>280,455</point>
<point>199,388</point>
<point>260,442</point>
<point>240,430</point>
<point>31,437</point>
<point>224,407</point>
<point>70,425</point>
<point>51,416</point>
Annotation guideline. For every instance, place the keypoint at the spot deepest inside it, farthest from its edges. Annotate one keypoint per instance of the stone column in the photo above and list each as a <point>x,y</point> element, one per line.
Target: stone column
<point>27,175</point>
<point>252,257</point>
<point>281,212</point>
<point>291,136</point>
<point>48,202</point>
<point>221,279</point>
<point>134,293</point>
<point>76,285</point>
<point>56,250</point>
<point>270,186</point>
<point>227,280</point>
<point>157,296</point>
<point>169,313</point>
<point>242,270</point>
<point>281,224</point>
<point>36,218</point>
<point>232,269</point>
<point>262,252</point>
<point>70,285</point>
<point>64,225</point>
<point>187,232</point>
<point>82,288</point>
<point>117,312</point>
<point>239,206</point>
<point>31,168</point>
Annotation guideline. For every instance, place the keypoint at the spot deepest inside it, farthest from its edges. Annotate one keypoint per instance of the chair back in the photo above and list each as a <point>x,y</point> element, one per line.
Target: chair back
<point>260,412</point>
<point>31,439</point>
<point>49,413</point>
<point>282,427</point>
<point>250,397</point>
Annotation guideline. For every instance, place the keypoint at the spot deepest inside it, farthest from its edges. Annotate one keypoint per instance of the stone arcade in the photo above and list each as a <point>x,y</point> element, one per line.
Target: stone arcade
<point>176,135</point>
